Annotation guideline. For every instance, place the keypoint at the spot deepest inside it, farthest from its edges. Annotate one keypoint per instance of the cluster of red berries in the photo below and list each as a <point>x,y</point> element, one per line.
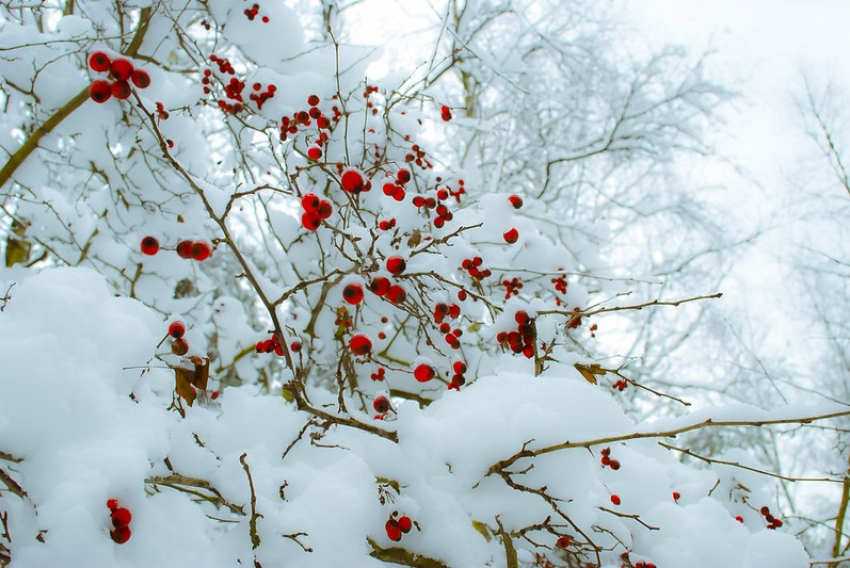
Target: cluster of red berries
<point>315,209</point>
<point>772,522</point>
<point>620,385</point>
<point>512,287</point>
<point>253,12</point>
<point>271,345</point>
<point>382,406</point>
<point>445,113</point>
<point>458,378</point>
<point>443,213</point>
<point>260,97</point>
<point>607,461</point>
<point>196,250</point>
<point>379,375</point>
<point>560,283</point>
<point>473,268</point>
<point>642,564</point>
<point>121,72</point>
<point>177,329</point>
<point>397,527</point>
<point>441,311</point>
<point>161,113</point>
<point>120,518</point>
<point>289,125</point>
<point>395,189</point>
<point>387,224</point>
<point>417,156</point>
<point>383,287</point>
<point>224,66</point>
<point>522,339</point>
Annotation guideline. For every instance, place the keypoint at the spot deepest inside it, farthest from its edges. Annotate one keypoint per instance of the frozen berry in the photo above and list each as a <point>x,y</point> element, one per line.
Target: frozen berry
<point>563,542</point>
<point>352,181</point>
<point>353,294</point>
<point>396,265</point>
<point>403,176</point>
<point>423,372</point>
<point>381,404</point>
<point>511,236</point>
<point>99,61</point>
<point>314,153</point>
<point>360,344</point>
<point>120,90</point>
<point>313,100</point>
<point>615,499</point>
<point>396,294</point>
<point>310,202</point>
<point>141,79</point>
<point>150,246</point>
<point>100,91</point>
<point>177,329</point>
<point>120,535</point>
<point>516,201</point>
<point>379,285</point>
<point>393,530</point>
<point>121,69</point>
<point>121,517</point>
<point>311,220</point>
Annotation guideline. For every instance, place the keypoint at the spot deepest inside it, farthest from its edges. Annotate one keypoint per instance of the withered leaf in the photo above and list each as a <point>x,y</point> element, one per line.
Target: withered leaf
<point>197,377</point>
<point>589,372</point>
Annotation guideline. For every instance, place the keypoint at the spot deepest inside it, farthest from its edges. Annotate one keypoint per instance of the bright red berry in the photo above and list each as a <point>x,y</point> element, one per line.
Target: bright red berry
<point>516,201</point>
<point>120,90</point>
<point>615,499</point>
<point>314,153</point>
<point>100,91</point>
<point>120,535</point>
<point>352,181</point>
<point>150,246</point>
<point>396,294</point>
<point>360,344</point>
<point>295,346</point>
<point>396,265</point>
<point>112,504</point>
<point>381,404</point>
<point>459,367</point>
<point>403,176</point>
<point>313,100</point>
<point>563,542</point>
<point>141,79</point>
<point>511,236</point>
<point>310,202</point>
<point>180,347</point>
<point>405,524</point>
<point>121,69</point>
<point>99,61</point>
<point>424,372</point>
<point>121,517</point>
<point>739,518</point>
<point>184,249</point>
<point>311,221</point>
<point>393,530</point>
<point>325,209</point>
<point>177,329</point>
<point>201,250</point>
<point>676,495</point>
<point>380,285</point>
<point>353,294</point>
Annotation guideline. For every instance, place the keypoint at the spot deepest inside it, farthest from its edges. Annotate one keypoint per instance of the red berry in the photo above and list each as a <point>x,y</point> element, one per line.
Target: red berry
<point>459,367</point>
<point>516,201</point>
<point>141,79</point>
<point>310,202</point>
<point>311,221</point>
<point>180,347</point>
<point>184,249</point>
<point>313,100</point>
<point>295,346</point>
<point>605,460</point>
<point>99,61</point>
<point>360,344</point>
<point>120,90</point>
<point>325,209</point>
<point>563,542</point>
<point>396,294</point>
<point>177,329</point>
<point>352,181</point>
<point>424,372</point>
<point>353,294</point>
<point>777,523</point>
<point>521,317</point>
<point>403,176</point>
<point>511,236</point>
<point>120,535</point>
<point>314,153</point>
<point>676,495</point>
<point>615,465</point>
<point>150,246</point>
<point>381,404</point>
<point>615,499</point>
<point>201,250</point>
<point>765,511</point>
<point>112,504</point>
<point>393,530</point>
<point>380,285</point>
<point>739,518</point>
<point>121,69</point>
<point>100,91</point>
<point>405,524</point>
<point>121,517</point>
<point>396,265</point>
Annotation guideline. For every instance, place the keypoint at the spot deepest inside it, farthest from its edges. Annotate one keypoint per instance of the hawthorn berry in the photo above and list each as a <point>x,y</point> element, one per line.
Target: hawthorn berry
<point>445,113</point>
<point>360,344</point>
<point>120,535</point>
<point>177,329</point>
<point>141,79</point>
<point>112,504</point>
<point>120,90</point>
<point>311,220</point>
<point>150,246</point>
<point>396,294</point>
<point>403,176</point>
<point>121,69</point>
<point>615,499</point>
<point>353,294</point>
<point>99,61</point>
<point>511,236</point>
<point>393,530</point>
<point>563,542</point>
<point>459,367</point>
<point>381,404</point>
<point>121,517</point>
<point>201,250</point>
<point>424,372</point>
<point>180,347</point>
<point>676,495</point>
<point>100,91</point>
<point>310,202</point>
<point>516,201</point>
<point>396,265</point>
<point>405,524</point>
<point>380,285</point>
<point>184,249</point>
<point>615,465</point>
<point>352,181</point>
<point>314,153</point>
<point>325,209</point>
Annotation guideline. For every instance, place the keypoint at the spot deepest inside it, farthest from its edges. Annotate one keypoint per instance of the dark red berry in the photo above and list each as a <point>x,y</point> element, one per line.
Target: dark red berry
<point>405,524</point>
<point>150,246</point>
<point>201,250</point>
<point>313,100</point>
<point>353,294</point>
<point>121,69</point>
<point>516,201</point>
<point>180,347</point>
<point>184,249</point>
<point>311,221</point>
<point>120,535</point>
<point>615,499</point>
<point>396,294</point>
<point>381,404</point>
<point>120,90</point>
<point>112,504</point>
<point>177,329</point>
<point>99,61</point>
<point>141,79</point>
<point>563,542</point>
<point>100,91</point>
<point>325,209</point>
<point>403,176</point>
<point>396,265</point>
<point>121,517</point>
<point>379,285</point>
<point>423,372</point>
<point>511,236</point>
<point>360,344</point>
